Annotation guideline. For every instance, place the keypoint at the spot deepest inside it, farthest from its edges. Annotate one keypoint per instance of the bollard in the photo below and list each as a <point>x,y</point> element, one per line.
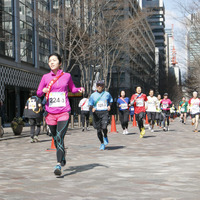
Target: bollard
<point>72,121</point>
<point>79,121</point>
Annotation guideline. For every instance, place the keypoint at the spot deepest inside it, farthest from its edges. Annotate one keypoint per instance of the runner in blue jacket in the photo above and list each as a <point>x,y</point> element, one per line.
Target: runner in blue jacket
<point>100,102</point>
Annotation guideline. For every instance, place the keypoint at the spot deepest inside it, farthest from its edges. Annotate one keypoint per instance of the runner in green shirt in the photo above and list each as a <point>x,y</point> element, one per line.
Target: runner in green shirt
<point>183,107</point>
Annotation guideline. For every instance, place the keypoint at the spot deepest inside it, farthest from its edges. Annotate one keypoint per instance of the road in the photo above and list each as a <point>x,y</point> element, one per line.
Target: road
<point>160,166</point>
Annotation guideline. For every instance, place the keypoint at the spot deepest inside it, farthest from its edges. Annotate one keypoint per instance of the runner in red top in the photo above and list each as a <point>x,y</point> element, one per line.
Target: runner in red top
<point>138,101</point>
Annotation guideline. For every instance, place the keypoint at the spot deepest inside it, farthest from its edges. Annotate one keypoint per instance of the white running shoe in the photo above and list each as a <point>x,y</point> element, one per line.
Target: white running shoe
<point>152,130</point>
<point>149,127</point>
<point>126,131</point>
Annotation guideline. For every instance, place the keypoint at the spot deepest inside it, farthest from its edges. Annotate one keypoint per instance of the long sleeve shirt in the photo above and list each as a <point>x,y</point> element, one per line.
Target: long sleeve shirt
<point>58,101</point>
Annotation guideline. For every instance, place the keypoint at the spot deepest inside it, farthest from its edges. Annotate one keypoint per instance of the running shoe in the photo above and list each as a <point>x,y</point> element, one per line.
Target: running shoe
<point>167,128</point>
<point>105,139</point>
<point>149,127</point>
<point>126,131</point>
<point>36,139</point>
<point>152,130</point>
<point>57,170</point>
<point>102,147</point>
<point>192,123</point>
<point>32,140</point>
<point>83,129</point>
<point>164,129</point>
<point>142,132</point>
<point>196,131</point>
<point>87,129</point>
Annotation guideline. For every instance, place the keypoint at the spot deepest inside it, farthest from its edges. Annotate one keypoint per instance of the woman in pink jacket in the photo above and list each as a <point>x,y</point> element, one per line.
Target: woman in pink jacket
<point>55,86</point>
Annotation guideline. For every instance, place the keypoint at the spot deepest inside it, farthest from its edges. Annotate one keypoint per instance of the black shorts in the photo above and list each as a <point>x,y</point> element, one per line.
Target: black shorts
<point>140,116</point>
<point>194,115</point>
<point>100,119</point>
<point>151,115</point>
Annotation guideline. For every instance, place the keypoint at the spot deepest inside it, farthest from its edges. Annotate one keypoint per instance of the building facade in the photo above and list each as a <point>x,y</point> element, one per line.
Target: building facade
<point>24,50</point>
<point>136,66</point>
<point>193,45</point>
<point>157,22</point>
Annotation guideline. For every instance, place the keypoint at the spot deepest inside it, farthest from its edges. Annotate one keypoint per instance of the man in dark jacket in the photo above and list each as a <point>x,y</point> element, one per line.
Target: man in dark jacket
<point>33,111</point>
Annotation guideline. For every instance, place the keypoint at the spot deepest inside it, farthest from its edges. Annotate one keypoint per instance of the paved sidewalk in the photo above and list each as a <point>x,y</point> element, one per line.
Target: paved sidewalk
<point>161,166</point>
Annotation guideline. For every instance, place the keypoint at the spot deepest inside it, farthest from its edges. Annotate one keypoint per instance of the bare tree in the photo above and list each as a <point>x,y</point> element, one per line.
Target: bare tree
<point>191,21</point>
<point>95,42</point>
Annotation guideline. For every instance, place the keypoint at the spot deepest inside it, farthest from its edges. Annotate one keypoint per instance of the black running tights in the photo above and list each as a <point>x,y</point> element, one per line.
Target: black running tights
<point>58,132</point>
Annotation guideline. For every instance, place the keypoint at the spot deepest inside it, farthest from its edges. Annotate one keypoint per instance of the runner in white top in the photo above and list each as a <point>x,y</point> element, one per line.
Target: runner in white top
<point>151,109</point>
<point>85,111</point>
<point>194,104</point>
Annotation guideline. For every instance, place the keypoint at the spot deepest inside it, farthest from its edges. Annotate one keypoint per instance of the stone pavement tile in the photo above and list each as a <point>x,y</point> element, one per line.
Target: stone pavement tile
<point>162,165</point>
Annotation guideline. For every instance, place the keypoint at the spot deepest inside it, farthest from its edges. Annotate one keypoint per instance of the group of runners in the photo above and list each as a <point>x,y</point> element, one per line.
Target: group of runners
<point>55,86</point>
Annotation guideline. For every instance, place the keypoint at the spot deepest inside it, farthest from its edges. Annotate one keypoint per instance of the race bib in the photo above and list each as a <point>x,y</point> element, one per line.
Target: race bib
<point>32,104</point>
<point>165,106</point>
<point>132,109</point>
<point>124,106</point>
<point>102,105</point>
<point>57,99</point>
<point>182,109</point>
<point>139,103</point>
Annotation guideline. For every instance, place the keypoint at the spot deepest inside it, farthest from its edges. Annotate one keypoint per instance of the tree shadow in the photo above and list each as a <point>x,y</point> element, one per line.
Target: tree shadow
<point>81,168</point>
<point>114,147</point>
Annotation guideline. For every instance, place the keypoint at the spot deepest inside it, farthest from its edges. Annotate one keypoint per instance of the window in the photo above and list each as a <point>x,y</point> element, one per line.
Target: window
<point>44,42</point>
<point>6,28</point>
<point>26,30</point>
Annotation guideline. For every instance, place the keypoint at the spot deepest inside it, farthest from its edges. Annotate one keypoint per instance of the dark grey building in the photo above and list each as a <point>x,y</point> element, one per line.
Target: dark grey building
<point>137,65</point>
<point>156,20</point>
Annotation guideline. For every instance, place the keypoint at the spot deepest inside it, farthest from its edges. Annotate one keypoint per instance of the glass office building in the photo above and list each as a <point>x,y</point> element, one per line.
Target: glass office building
<point>24,50</point>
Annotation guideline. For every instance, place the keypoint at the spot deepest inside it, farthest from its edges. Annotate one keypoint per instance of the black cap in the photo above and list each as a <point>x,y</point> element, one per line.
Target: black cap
<point>166,94</point>
<point>101,82</point>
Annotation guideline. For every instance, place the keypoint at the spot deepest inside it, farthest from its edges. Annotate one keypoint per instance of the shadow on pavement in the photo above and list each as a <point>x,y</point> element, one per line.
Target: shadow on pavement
<point>149,136</point>
<point>131,134</point>
<point>44,140</point>
<point>114,147</point>
<point>81,168</point>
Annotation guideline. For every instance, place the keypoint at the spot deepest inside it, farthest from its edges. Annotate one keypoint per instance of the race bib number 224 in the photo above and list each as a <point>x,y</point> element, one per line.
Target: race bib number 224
<point>57,99</point>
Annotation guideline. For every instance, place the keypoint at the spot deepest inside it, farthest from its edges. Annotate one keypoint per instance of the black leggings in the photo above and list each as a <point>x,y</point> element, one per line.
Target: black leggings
<point>85,115</point>
<point>124,117</point>
<point>58,132</point>
<point>139,118</point>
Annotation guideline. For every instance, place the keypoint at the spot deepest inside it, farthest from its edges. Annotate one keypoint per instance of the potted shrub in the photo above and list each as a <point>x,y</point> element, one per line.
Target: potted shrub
<point>17,125</point>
